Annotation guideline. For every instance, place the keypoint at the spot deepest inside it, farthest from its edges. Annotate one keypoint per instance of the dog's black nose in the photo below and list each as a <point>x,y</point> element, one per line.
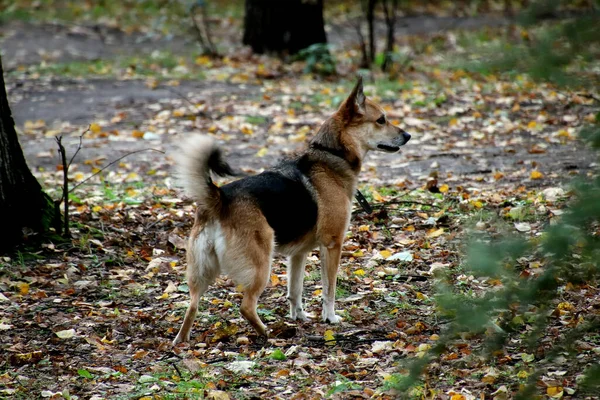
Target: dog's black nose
<point>406,136</point>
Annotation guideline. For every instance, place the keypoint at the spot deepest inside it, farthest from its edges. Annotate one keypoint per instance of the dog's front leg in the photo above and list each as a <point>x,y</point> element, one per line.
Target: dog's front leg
<point>330,259</point>
<point>295,273</point>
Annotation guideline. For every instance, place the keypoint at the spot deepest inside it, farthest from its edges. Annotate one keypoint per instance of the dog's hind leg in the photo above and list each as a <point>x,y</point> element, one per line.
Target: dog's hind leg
<point>247,260</point>
<point>250,301</point>
<point>295,272</point>
<point>202,270</point>
<point>197,289</point>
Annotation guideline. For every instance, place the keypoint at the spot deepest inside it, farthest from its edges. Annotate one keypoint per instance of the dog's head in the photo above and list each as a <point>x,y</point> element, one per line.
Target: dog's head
<point>367,124</point>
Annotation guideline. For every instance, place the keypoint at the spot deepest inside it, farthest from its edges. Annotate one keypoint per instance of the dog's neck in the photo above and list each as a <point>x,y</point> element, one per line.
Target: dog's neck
<point>329,139</point>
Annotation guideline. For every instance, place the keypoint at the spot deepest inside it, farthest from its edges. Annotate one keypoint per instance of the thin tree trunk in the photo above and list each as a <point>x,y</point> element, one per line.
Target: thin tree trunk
<point>23,204</point>
<point>371,28</point>
<point>389,8</point>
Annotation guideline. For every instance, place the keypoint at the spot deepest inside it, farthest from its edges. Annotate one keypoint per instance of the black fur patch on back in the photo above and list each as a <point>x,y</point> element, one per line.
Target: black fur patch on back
<point>283,199</point>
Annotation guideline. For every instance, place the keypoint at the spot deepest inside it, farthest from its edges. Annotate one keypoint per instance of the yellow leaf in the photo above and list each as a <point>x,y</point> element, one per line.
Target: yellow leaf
<point>453,122</point>
<point>95,128</point>
<point>275,280</point>
<point>203,60</point>
<point>78,176</point>
<point>457,397</point>
<point>498,176</point>
<point>435,233</point>
<point>363,228</point>
<point>522,374</point>
<point>137,134</point>
<point>96,208</point>
<point>444,188</point>
<point>536,175</point>
<point>329,338</point>
<point>23,288</point>
<point>421,296</point>
<point>246,130</point>
<point>359,272</point>
<point>162,296</point>
<point>532,125</point>
<point>476,203</point>
<point>377,197</point>
<point>317,292</point>
<point>358,253</point>
<point>262,152</point>
<point>488,379</point>
<point>555,391</point>
<point>178,113</point>
<point>563,133</point>
<point>385,253</point>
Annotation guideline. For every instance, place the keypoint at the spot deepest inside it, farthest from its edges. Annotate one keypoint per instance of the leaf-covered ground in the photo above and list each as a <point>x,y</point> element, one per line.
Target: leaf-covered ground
<point>94,316</point>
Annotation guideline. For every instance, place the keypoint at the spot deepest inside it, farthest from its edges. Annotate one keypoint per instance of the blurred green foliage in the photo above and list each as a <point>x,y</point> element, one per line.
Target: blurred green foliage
<point>318,59</point>
<point>547,45</point>
<point>568,251</point>
<point>161,16</point>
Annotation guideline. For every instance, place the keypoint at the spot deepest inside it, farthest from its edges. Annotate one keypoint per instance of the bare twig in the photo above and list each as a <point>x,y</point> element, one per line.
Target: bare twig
<point>112,163</point>
<point>65,191</point>
<point>211,46</point>
<point>207,45</point>
<point>390,21</point>
<point>79,146</point>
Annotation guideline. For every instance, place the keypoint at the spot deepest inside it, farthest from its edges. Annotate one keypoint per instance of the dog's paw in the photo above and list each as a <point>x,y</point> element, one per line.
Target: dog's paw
<point>332,319</point>
<point>179,339</point>
<point>299,315</point>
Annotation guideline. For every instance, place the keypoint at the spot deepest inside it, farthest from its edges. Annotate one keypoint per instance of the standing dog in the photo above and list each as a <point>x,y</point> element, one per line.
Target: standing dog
<point>300,204</point>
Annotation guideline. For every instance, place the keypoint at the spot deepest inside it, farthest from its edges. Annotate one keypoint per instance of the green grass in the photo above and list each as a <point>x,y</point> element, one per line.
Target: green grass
<point>160,16</point>
<point>160,65</point>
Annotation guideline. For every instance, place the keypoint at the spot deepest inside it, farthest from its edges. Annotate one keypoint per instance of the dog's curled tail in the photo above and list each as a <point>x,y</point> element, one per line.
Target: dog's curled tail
<point>198,157</point>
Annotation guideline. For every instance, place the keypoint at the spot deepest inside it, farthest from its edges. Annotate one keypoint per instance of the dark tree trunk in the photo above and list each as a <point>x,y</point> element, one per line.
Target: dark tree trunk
<point>283,26</point>
<point>371,28</point>
<point>23,204</point>
<point>389,9</point>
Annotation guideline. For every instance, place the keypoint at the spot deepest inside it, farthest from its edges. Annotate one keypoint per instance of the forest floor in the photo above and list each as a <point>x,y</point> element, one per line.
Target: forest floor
<point>94,316</point>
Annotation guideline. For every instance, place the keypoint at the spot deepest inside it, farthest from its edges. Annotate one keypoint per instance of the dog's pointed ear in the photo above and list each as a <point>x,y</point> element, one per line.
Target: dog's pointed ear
<point>355,103</point>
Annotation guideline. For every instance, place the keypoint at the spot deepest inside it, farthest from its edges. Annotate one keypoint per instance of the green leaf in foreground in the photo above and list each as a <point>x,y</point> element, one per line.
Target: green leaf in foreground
<point>278,355</point>
<point>85,373</point>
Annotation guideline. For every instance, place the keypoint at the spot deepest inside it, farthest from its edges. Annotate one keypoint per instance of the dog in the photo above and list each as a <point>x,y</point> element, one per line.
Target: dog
<point>302,203</point>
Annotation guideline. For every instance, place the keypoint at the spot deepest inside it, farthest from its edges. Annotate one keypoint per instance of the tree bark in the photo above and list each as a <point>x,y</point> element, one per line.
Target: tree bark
<point>23,204</point>
<point>283,26</point>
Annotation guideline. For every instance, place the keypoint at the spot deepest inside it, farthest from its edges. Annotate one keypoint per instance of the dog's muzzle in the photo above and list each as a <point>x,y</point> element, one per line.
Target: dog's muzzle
<point>395,144</point>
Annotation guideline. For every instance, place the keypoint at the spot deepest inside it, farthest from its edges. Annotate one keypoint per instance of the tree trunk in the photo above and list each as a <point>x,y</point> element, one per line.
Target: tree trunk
<point>23,204</point>
<point>283,26</point>
<point>371,28</point>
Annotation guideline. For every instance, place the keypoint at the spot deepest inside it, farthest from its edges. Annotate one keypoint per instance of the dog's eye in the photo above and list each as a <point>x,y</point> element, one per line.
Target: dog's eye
<point>381,120</point>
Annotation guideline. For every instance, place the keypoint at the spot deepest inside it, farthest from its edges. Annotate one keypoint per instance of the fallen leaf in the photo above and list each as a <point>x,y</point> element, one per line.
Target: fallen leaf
<point>66,334</point>
<point>536,175</point>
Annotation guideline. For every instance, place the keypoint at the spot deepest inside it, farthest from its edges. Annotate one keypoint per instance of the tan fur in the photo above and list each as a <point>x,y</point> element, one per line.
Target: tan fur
<point>239,241</point>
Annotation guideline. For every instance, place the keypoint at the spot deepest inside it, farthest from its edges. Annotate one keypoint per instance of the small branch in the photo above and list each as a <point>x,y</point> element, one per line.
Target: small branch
<point>207,46</point>
<point>394,201</point>
<point>78,147</point>
<point>65,191</point>
<point>112,163</point>
<point>213,50</point>
<point>199,35</point>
